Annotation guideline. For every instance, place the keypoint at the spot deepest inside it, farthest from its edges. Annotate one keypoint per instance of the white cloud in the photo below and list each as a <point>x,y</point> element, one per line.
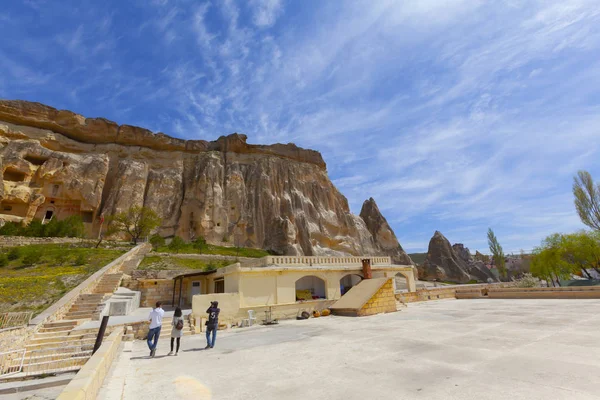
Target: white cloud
<point>266,12</point>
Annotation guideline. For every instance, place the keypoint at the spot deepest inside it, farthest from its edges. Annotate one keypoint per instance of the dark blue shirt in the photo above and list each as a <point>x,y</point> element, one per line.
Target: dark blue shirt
<point>213,317</point>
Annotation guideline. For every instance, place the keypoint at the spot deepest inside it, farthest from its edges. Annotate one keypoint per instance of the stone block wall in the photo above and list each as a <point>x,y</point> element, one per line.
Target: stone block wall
<point>153,290</point>
<point>383,301</point>
<point>88,381</point>
<point>12,241</point>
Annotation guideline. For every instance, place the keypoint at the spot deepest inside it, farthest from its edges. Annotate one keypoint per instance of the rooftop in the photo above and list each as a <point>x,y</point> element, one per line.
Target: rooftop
<point>448,349</point>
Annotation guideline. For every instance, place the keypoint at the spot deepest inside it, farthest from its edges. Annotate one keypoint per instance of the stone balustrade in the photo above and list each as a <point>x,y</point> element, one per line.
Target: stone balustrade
<point>315,260</point>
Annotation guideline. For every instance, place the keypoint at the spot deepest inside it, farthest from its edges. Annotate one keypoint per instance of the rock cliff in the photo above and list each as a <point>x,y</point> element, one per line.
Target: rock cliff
<point>57,163</point>
<point>452,263</point>
<point>383,235</point>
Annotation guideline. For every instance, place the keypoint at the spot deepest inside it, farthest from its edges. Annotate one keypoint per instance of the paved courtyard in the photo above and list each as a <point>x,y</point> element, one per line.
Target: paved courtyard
<point>452,349</point>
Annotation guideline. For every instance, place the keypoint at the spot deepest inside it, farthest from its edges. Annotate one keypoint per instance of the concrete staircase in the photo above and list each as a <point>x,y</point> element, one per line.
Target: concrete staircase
<point>87,306</point>
<point>57,348</point>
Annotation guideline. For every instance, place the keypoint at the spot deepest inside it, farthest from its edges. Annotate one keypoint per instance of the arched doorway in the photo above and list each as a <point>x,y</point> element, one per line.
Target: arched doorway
<point>348,282</point>
<point>401,282</point>
<point>310,287</point>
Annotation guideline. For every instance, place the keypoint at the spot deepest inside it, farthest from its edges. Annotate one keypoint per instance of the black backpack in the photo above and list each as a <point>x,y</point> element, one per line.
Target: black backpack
<point>179,325</point>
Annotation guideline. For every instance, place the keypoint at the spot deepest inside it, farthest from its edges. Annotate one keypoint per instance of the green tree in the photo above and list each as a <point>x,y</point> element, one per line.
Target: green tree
<point>548,261</point>
<point>497,252</point>
<point>157,241</point>
<point>587,199</point>
<point>137,222</point>
<point>199,243</point>
<point>582,251</point>
<point>176,244</point>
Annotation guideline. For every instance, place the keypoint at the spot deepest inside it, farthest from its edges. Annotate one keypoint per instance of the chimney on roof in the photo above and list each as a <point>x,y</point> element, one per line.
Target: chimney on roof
<point>366,263</point>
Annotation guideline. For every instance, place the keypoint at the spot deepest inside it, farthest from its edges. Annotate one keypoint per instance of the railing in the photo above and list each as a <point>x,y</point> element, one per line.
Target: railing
<point>67,358</point>
<point>14,319</point>
<point>11,362</point>
<point>316,260</point>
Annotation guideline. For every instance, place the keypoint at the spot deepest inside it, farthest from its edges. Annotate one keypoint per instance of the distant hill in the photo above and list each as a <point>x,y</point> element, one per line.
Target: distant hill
<point>418,258</point>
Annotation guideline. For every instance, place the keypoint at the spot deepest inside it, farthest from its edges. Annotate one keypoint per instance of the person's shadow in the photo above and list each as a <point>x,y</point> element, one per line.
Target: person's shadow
<point>147,357</point>
<point>198,349</point>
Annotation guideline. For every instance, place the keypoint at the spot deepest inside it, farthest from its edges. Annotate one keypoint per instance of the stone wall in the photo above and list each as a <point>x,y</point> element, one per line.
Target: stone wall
<point>14,339</point>
<point>154,290</point>
<point>12,241</point>
<point>447,292</point>
<point>383,301</point>
<point>86,384</point>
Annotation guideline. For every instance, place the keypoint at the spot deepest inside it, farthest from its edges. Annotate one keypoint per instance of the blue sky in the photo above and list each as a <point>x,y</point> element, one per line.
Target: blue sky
<point>454,115</point>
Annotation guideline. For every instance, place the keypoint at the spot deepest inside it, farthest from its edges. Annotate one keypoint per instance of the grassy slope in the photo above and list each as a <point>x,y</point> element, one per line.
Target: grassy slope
<point>189,248</point>
<point>34,287</point>
<point>158,263</point>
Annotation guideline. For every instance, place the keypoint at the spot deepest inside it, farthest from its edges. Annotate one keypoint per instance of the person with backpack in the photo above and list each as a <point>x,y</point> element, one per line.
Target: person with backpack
<point>177,330</point>
<point>155,317</point>
<point>212,324</point>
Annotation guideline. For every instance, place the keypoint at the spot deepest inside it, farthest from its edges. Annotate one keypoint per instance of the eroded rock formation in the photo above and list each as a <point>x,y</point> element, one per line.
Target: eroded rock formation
<point>383,235</point>
<point>56,163</point>
<point>452,263</point>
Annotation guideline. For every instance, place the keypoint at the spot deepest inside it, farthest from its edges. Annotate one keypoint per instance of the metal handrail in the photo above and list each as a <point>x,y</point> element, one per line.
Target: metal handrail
<point>14,319</point>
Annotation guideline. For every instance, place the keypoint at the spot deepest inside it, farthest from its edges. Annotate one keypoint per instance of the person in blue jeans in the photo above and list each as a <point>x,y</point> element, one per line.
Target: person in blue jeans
<point>212,324</point>
<point>155,317</point>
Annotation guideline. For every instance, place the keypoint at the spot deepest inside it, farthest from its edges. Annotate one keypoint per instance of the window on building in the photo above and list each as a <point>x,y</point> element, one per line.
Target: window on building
<point>219,285</point>
<point>49,214</point>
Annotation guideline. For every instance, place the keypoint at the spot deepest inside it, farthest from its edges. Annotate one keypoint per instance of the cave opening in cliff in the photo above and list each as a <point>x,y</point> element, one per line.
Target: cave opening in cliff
<point>13,175</point>
<point>310,287</point>
<point>348,282</point>
<point>36,160</point>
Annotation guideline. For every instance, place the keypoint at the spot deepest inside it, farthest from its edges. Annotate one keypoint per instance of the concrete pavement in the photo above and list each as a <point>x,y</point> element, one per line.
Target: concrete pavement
<point>452,349</point>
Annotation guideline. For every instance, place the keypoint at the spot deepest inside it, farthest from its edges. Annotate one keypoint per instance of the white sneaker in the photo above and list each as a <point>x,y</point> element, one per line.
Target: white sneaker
<point>170,353</point>
<point>176,354</point>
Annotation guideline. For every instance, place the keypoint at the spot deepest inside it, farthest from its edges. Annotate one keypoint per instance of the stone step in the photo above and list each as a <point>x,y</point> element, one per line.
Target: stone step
<point>58,324</point>
<point>84,307</point>
<point>87,302</point>
<point>40,335</point>
<point>57,345</point>
<point>61,339</point>
<point>82,312</point>
<point>57,329</point>
<point>56,356</point>
<point>56,365</point>
<point>79,315</point>
<point>87,346</point>
<point>89,296</point>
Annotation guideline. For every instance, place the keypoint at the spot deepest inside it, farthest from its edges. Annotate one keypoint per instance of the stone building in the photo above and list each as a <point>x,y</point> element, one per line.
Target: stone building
<point>282,285</point>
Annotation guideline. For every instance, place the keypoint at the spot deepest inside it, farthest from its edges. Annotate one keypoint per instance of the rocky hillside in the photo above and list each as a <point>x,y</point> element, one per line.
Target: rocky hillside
<point>452,263</point>
<point>57,163</point>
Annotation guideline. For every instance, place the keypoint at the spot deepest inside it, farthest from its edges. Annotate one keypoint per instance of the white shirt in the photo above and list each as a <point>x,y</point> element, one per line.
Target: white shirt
<point>156,317</point>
